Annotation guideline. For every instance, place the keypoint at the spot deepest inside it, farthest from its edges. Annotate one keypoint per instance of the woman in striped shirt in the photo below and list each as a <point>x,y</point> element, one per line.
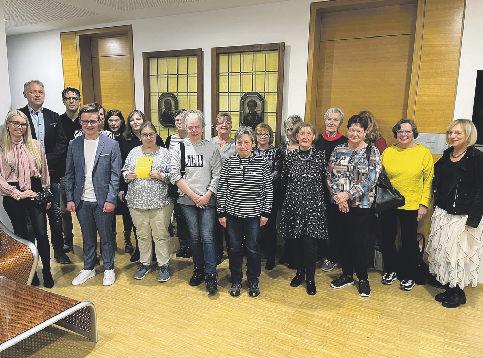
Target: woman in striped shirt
<point>245,195</point>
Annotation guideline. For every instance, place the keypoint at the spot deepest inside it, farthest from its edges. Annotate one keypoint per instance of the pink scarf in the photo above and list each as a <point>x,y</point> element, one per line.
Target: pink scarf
<point>22,161</point>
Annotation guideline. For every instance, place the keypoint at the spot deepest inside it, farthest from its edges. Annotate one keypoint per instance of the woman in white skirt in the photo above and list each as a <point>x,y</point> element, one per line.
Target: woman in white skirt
<point>454,245</point>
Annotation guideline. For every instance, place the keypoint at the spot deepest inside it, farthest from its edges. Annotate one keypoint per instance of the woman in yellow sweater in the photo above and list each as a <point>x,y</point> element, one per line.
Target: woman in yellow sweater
<point>409,166</point>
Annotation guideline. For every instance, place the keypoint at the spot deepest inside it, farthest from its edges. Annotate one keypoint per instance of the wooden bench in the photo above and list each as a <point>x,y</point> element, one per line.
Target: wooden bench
<point>25,310</point>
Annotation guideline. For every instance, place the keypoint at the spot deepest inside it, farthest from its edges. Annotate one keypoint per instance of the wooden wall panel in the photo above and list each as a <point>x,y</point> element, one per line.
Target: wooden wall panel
<point>70,60</point>
<point>439,65</point>
<point>385,20</point>
<point>365,74</point>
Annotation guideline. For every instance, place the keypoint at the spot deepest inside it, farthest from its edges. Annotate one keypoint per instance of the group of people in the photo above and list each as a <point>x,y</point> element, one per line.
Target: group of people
<point>231,190</point>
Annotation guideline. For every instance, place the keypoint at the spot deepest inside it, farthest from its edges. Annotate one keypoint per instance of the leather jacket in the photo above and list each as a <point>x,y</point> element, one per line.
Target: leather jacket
<point>465,196</point>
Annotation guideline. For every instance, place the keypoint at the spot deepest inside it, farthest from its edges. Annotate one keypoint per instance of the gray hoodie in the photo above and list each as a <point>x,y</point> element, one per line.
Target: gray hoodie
<point>203,165</point>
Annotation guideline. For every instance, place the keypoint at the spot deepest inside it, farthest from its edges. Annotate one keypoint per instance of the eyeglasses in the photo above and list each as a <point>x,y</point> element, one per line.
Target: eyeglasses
<point>73,99</point>
<point>263,135</point>
<point>455,133</point>
<point>148,135</point>
<point>357,131</point>
<point>404,132</point>
<point>114,120</point>
<point>289,129</point>
<point>225,122</point>
<point>88,123</point>
<point>19,125</point>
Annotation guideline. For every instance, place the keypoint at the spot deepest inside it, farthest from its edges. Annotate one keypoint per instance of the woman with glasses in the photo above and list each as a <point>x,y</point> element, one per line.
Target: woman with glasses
<point>351,177</point>
<point>198,187</point>
<point>244,204</point>
<point>149,203</point>
<point>409,167</point>
<point>303,212</point>
<point>265,149</point>
<point>130,139</point>
<point>226,145</point>
<point>454,245</point>
<point>24,173</point>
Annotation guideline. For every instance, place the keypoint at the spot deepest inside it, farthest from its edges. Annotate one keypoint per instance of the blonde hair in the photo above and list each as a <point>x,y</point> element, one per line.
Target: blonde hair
<point>6,139</point>
<point>469,129</point>
<point>373,131</point>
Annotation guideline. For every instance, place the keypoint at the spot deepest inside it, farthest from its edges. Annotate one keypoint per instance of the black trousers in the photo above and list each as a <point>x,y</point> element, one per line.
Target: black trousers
<point>268,236</point>
<point>350,237</point>
<point>306,254</point>
<point>16,210</point>
<point>404,262</point>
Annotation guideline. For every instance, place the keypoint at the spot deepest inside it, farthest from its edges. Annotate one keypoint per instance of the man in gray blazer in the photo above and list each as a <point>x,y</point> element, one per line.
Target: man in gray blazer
<point>93,170</point>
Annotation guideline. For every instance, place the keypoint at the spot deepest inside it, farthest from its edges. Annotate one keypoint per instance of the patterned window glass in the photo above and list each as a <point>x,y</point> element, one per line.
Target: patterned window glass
<point>242,72</point>
<point>177,75</point>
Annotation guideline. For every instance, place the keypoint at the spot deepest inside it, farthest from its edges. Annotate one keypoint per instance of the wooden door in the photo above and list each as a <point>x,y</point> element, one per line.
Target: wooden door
<point>365,59</point>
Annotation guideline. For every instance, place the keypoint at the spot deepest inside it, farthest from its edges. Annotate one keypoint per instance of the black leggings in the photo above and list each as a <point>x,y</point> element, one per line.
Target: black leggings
<point>16,210</point>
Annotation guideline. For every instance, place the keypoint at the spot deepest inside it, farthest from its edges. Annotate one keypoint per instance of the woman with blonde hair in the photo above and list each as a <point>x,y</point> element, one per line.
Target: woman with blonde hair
<point>454,245</point>
<point>373,136</point>
<point>23,174</point>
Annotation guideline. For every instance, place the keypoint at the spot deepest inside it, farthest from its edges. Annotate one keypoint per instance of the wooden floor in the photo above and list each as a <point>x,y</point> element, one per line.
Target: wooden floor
<point>150,319</point>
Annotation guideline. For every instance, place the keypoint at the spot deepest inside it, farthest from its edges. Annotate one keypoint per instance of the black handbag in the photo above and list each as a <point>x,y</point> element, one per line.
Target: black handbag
<point>423,269</point>
<point>386,196</point>
<point>173,189</point>
<point>43,196</point>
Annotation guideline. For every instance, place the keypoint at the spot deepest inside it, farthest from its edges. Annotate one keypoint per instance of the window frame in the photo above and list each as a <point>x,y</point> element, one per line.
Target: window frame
<point>215,51</point>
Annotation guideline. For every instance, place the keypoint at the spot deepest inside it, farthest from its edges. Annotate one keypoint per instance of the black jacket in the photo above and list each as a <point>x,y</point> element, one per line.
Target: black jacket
<point>55,142</point>
<point>465,196</point>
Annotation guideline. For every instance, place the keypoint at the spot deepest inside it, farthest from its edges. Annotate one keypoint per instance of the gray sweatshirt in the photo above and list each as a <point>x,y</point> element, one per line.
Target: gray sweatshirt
<point>203,165</point>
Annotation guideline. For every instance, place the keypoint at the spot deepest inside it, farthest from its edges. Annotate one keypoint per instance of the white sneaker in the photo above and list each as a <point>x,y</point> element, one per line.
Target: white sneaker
<point>83,276</point>
<point>109,277</point>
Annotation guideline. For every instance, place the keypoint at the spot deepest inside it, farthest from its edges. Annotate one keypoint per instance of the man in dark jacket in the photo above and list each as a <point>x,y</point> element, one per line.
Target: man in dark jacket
<point>46,127</point>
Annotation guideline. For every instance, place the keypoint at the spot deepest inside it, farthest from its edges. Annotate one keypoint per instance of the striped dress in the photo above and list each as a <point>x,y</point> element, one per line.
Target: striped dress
<point>245,187</point>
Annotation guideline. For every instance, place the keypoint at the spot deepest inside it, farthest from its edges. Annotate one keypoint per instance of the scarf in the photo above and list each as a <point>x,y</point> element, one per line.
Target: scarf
<point>22,162</point>
<point>331,139</point>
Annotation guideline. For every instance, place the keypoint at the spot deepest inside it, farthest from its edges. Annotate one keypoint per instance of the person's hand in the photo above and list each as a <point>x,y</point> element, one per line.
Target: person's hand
<point>263,220</point>
<point>422,211</point>
<point>344,207</point>
<point>203,201</point>
<point>341,198</point>
<point>131,176</point>
<point>121,195</point>
<point>48,206</point>
<point>154,174</point>
<point>71,206</point>
<point>28,194</point>
<point>108,207</point>
<point>222,222</point>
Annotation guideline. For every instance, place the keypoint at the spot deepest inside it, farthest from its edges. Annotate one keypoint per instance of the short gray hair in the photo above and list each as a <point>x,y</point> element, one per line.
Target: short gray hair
<point>334,110</point>
<point>244,130</point>
<point>291,121</point>
<point>191,114</point>
<point>27,84</point>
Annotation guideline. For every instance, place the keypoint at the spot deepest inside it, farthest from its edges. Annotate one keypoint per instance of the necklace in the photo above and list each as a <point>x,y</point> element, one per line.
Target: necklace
<point>307,156</point>
<point>459,155</point>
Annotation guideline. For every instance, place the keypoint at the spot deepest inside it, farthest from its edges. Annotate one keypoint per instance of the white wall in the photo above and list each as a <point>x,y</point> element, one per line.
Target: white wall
<point>39,55</point>
<point>471,59</point>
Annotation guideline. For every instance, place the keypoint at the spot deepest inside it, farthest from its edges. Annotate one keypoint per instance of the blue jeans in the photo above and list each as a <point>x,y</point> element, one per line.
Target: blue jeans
<point>201,227</point>
<point>248,229</point>
<point>93,220</point>
<point>183,234</point>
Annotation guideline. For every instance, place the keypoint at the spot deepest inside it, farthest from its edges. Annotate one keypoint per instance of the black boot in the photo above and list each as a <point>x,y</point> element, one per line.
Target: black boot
<point>35,280</point>
<point>128,248</point>
<point>311,289</point>
<point>270,262</point>
<point>441,297</point>
<point>299,277</point>
<point>456,298</point>
<point>198,277</point>
<point>48,279</point>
